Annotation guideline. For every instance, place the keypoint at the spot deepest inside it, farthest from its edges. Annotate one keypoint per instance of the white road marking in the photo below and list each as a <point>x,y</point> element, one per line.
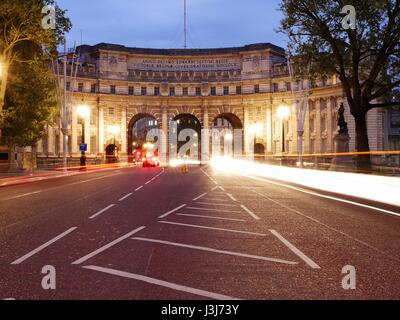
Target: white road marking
<point>218,200</point>
<point>328,227</point>
<point>217,210</point>
<point>148,182</point>
<point>102,211</point>
<point>172,211</point>
<point>141,187</point>
<point>232,197</point>
<point>209,217</point>
<point>217,204</point>
<point>296,251</point>
<point>126,197</point>
<point>250,212</point>
<point>200,196</point>
<point>212,228</point>
<point>43,246</point>
<point>324,196</point>
<point>23,195</point>
<point>244,255</point>
<point>107,246</point>
<point>161,283</point>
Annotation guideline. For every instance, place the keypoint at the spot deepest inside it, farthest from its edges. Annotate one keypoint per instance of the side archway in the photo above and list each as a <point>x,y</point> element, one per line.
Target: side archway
<point>138,128</point>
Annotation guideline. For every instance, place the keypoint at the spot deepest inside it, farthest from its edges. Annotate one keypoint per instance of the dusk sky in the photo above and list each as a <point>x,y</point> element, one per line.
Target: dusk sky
<point>159,23</point>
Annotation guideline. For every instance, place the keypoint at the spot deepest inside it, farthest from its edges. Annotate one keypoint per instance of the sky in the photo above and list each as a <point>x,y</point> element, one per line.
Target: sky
<point>159,23</point>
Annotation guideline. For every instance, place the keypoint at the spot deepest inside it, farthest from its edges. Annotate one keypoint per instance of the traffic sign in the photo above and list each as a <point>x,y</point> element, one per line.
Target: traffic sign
<point>83,147</point>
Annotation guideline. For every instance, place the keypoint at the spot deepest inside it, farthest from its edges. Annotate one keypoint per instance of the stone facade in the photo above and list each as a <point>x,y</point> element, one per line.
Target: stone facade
<point>245,85</point>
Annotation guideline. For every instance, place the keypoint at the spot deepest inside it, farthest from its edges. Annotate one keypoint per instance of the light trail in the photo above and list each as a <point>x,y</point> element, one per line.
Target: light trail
<point>375,188</point>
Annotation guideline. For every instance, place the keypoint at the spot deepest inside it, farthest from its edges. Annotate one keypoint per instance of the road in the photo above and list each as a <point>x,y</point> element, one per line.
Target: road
<point>147,234</point>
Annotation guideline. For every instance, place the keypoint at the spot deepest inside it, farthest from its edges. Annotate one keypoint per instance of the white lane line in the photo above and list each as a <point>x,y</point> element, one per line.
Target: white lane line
<point>329,227</point>
<point>23,195</point>
<point>212,228</point>
<point>141,187</point>
<point>200,196</point>
<point>216,210</point>
<point>296,251</point>
<point>126,197</point>
<point>324,196</point>
<point>250,212</point>
<point>232,197</point>
<point>209,217</point>
<point>161,283</point>
<point>148,182</point>
<point>215,188</point>
<point>218,200</point>
<point>107,246</point>
<point>43,246</point>
<point>102,211</point>
<point>172,211</point>
<point>230,253</point>
<point>217,204</point>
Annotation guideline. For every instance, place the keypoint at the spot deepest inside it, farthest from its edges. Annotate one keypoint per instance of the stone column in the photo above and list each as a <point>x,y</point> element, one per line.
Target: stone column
<point>269,137</point>
<point>205,148</point>
<point>100,129</point>
<point>124,133</point>
<point>329,123</point>
<point>51,141</point>
<point>164,136</point>
<point>74,132</point>
<point>87,132</point>
<point>318,127</point>
<point>246,131</point>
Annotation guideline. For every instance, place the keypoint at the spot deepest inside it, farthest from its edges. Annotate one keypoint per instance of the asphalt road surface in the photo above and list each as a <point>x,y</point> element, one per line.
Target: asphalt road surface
<point>147,234</point>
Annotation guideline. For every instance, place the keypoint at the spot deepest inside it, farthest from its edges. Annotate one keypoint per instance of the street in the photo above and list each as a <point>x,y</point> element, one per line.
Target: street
<point>155,233</point>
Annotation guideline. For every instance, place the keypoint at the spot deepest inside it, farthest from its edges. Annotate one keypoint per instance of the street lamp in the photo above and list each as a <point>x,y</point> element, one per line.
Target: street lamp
<point>83,112</point>
<point>114,130</point>
<point>283,114</point>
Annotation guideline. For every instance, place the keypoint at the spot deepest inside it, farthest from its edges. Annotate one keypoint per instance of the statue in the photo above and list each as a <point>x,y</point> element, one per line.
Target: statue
<point>341,122</point>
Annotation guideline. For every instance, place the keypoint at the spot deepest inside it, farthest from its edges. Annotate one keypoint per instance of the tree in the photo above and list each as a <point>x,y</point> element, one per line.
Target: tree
<point>21,23</point>
<point>365,55</point>
<point>27,92</point>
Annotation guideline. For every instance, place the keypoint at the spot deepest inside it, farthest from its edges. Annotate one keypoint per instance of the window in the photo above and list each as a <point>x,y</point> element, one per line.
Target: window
<point>111,112</point>
<point>93,88</point>
<point>157,91</point>
<point>257,88</point>
<point>226,91</point>
<point>172,91</point>
<point>185,91</point>
<point>312,125</point>
<point>213,91</point>
<point>113,89</point>
<point>68,85</point>
<point>275,87</point>
<point>239,90</point>
<point>143,91</point>
<point>323,124</point>
<point>131,91</point>
<point>198,91</point>
<point>288,86</point>
<point>80,87</point>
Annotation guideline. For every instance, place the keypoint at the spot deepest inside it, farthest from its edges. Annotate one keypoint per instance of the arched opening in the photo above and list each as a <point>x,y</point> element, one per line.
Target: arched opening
<point>259,149</point>
<point>138,130</point>
<point>112,153</point>
<point>227,135</point>
<point>188,130</point>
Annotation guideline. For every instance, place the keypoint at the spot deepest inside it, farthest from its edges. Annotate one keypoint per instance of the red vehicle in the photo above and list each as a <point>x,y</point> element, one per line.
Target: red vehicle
<point>150,159</point>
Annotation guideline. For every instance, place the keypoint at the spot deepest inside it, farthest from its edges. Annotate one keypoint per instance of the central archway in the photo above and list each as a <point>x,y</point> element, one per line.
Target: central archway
<point>227,135</point>
<point>188,130</point>
<point>138,128</point>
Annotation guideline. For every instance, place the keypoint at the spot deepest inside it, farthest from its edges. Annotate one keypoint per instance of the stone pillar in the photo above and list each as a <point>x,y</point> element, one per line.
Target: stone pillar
<point>50,141</point>
<point>74,132</point>
<point>205,149</point>
<point>164,136</point>
<point>246,131</point>
<point>329,123</point>
<point>87,132</point>
<point>269,137</point>
<point>318,126</point>
<point>100,132</point>
<point>124,133</point>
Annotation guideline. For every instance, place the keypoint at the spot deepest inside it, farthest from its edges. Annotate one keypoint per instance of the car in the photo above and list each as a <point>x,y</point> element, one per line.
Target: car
<point>150,159</point>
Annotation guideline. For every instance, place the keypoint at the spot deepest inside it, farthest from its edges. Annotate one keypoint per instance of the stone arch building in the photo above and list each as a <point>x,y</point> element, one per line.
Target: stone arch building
<point>244,85</point>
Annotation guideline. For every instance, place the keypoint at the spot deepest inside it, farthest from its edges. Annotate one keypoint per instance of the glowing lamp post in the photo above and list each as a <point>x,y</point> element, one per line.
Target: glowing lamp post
<point>83,112</point>
<point>283,114</point>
